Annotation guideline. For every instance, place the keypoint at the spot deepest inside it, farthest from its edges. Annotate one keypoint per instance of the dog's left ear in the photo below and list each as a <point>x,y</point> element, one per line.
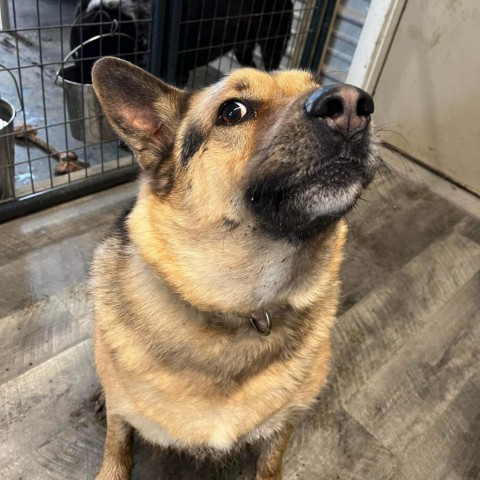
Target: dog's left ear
<point>143,110</point>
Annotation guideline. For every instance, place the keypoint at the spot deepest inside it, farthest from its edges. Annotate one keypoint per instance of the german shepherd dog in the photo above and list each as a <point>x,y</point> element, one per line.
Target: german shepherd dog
<point>215,295</point>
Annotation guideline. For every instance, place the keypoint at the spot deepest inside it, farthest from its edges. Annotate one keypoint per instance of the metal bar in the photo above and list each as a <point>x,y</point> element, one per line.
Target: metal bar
<point>62,54</point>
<point>325,34</point>
<point>315,23</point>
<point>20,81</point>
<point>173,37</point>
<point>35,202</point>
<point>48,64</point>
<point>199,36</point>
<point>209,47</point>
<point>4,15</point>
<point>15,31</point>
<point>239,16</point>
<point>235,39</point>
<point>352,16</point>
<point>225,26</point>
<point>338,54</point>
<point>346,38</point>
<point>157,29</point>
<point>42,84</point>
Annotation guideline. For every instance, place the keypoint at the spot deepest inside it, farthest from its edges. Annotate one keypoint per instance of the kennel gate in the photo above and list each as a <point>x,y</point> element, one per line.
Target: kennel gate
<point>34,46</point>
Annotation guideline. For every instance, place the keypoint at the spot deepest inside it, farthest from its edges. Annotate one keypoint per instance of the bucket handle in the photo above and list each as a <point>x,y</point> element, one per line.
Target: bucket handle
<point>3,68</point>
<point>86,42</point>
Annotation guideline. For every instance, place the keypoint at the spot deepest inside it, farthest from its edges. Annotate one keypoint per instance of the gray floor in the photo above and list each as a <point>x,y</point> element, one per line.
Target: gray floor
<point>403,399</point>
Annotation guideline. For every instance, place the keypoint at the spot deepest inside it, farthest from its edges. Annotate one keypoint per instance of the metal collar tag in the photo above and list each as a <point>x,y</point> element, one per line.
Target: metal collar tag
<point>262,325</point>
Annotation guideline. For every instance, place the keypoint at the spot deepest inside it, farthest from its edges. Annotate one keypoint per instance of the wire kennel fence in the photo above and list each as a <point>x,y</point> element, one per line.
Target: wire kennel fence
<point>59,146</point>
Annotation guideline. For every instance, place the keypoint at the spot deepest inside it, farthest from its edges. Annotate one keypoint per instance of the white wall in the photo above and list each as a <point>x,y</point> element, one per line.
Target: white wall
<point>429,87</point>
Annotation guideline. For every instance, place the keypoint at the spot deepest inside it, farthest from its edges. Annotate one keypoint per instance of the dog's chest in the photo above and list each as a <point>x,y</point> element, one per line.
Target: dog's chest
<point>169,412</point>
<point>215,430</point>
<point>216,427</point>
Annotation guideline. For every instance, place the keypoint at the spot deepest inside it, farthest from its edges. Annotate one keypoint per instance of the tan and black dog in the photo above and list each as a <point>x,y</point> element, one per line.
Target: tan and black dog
<point>215,295</point>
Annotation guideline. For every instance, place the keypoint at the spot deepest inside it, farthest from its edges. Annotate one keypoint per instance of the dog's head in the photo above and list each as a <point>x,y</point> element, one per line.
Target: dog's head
<point>256,168</point>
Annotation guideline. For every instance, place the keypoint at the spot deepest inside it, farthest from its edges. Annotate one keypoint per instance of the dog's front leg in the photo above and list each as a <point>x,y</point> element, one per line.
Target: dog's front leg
<point>269,464</point>
<point>117,458</point>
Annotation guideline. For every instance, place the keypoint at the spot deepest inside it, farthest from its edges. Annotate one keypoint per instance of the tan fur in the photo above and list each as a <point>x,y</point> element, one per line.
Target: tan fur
<point>167,367</point>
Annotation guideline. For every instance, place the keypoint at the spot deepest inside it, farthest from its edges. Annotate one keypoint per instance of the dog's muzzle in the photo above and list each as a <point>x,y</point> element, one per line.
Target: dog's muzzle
<point>316,166</point>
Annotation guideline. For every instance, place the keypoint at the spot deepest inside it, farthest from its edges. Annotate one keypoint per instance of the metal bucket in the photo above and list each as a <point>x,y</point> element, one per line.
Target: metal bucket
<point>87,121</point>
<point>7,145</point>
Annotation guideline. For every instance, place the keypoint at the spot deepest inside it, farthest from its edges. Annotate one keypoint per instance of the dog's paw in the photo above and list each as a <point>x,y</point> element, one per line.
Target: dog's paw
<point>112,476</point>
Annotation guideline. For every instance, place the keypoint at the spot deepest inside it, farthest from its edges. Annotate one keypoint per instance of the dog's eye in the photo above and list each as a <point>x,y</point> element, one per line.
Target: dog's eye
<point>231,112</point>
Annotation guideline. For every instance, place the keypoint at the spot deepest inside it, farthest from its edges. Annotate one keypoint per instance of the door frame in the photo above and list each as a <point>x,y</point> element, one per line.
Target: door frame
<point>374,43</point>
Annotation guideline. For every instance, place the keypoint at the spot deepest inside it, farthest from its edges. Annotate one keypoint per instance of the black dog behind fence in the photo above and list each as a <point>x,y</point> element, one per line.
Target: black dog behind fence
<point>206,30</point>
<point>59,146</point>
<point>209,29</point>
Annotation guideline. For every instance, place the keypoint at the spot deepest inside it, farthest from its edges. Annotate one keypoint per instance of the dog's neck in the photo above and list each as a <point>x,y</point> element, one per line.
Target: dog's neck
<point>260,320</point>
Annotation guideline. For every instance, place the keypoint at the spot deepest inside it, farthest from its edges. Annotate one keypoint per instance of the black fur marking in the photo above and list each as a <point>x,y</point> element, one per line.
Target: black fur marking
<point>241,86</point>
<point>194,138</point>
<point>119,228</point>
<point>230,224</point>
<point>183,102</point>
<point>161,173</point>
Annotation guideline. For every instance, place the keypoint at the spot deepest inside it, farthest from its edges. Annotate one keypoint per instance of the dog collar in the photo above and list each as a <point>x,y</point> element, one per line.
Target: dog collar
<point>261,323</point>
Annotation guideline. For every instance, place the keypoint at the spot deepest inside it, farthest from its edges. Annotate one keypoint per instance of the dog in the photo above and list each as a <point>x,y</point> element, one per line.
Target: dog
<point>109,27</point>
<point>211,28</point>
<point>208,29</point>
<point>215,293</point>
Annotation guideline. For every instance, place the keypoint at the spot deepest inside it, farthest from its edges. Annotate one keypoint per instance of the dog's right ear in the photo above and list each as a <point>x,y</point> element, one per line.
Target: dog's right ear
<point>143,110</point>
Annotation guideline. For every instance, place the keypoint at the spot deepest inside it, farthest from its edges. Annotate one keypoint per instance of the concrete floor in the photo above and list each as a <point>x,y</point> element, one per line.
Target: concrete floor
<point>403,398</point>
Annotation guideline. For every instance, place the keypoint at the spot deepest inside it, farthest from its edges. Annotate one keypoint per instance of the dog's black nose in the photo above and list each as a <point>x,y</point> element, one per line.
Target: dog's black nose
<point>346,109</point>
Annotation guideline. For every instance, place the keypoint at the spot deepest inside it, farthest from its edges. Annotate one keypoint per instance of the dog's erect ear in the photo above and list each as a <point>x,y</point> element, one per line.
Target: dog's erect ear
<point>142,109</point>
